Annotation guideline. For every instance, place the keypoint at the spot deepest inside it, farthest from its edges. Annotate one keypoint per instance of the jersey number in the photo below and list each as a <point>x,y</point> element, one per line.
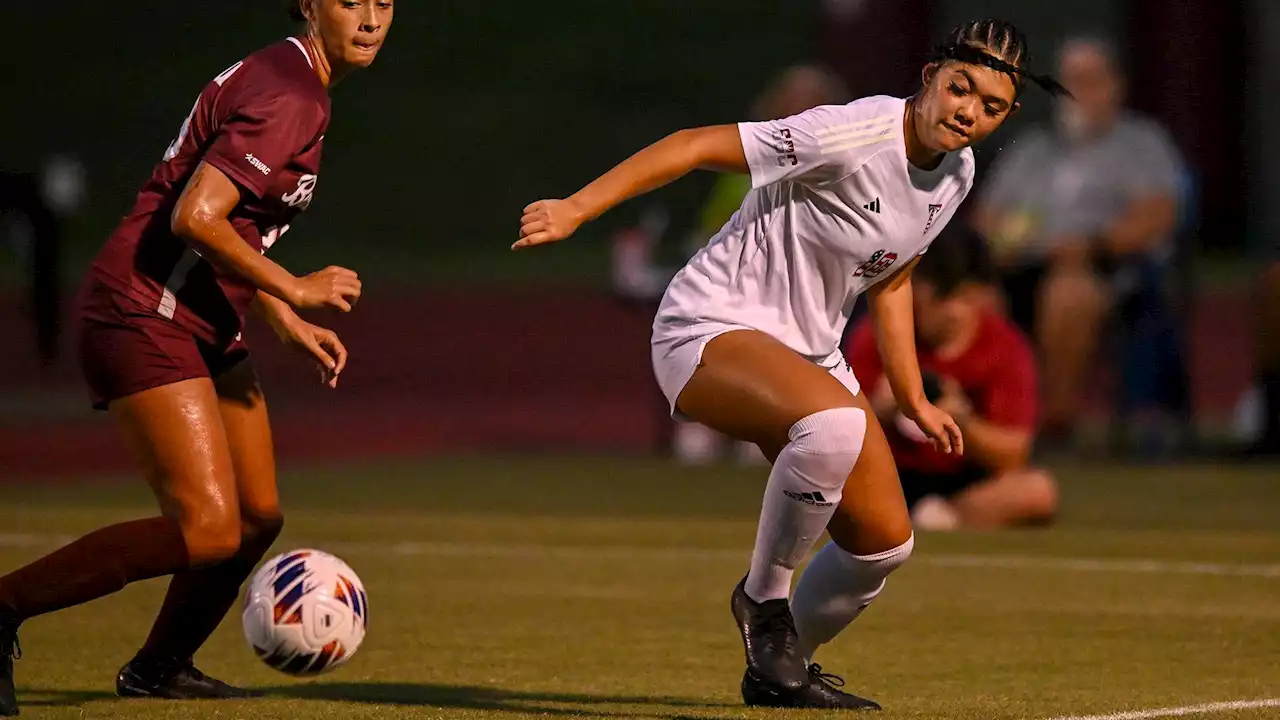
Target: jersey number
<point>176,145</point>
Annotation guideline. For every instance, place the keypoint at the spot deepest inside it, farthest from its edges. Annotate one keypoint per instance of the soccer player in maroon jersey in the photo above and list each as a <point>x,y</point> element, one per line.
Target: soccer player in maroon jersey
<point>159,320</point>
<point>980,368</point>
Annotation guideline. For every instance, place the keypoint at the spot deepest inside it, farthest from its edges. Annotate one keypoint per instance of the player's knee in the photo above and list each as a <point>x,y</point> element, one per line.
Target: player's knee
<point>212,538</point>
<point>258,530</point>
<point>878,566</point>
<point>1040,495</point>
<point>874,533</point>
<point>830,441</point>
<point>897,556</point>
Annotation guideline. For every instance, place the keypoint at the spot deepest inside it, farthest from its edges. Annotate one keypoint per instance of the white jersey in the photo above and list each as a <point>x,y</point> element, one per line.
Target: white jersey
<point>834,208</point>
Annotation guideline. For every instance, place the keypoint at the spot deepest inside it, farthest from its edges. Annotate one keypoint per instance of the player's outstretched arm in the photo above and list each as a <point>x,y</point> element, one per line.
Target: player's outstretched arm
<point>200,218</point>
<point>890,304</point>
<point>715,147</point>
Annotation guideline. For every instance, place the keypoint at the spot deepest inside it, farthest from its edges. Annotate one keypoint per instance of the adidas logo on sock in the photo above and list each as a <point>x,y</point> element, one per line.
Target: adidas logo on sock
<point>873,206</point>
<point>808,498</point>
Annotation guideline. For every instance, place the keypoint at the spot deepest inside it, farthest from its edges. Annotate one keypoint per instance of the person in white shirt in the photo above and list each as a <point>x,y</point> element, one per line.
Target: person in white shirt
<point>844,200</point>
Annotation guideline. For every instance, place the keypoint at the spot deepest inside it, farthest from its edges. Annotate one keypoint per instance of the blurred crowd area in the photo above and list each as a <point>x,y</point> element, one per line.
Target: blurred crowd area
<point>1091,232</point>
<point>1125,237</point>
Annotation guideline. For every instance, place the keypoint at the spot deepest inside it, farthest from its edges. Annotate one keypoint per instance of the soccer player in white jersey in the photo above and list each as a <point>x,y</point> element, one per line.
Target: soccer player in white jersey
<point>845,198</point>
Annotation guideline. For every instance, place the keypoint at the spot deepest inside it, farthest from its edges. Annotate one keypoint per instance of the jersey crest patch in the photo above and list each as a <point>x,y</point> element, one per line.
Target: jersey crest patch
<point>879,261</point>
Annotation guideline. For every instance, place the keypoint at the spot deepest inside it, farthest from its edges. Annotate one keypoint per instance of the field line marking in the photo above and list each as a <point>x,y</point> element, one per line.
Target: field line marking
<point>1136,566</point>
<point>1204,709</point>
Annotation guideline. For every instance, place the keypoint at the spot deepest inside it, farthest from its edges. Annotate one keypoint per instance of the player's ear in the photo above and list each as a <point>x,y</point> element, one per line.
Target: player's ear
<point>929,72</point>
<point>1013,109</point>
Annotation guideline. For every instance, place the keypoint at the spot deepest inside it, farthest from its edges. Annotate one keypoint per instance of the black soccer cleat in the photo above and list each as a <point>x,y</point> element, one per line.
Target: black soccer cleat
<point>179,680</point>
<point>9,651</point>
<point>769,638</point>
<point>820,692</point>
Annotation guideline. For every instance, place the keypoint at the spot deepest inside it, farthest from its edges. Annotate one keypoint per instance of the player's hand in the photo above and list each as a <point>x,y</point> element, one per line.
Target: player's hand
<point>320,344</point>
<point>938,425</point>
<point>332,287</point>
<point>548,221</point>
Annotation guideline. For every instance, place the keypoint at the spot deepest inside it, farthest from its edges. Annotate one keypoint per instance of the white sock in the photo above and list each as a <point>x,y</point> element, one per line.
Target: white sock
<point>836,587</point>
<point>804,488</point>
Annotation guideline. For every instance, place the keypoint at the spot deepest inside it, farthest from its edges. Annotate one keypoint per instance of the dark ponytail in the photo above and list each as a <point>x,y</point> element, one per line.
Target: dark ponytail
<point>294,7</point>
<point>1000,46</point>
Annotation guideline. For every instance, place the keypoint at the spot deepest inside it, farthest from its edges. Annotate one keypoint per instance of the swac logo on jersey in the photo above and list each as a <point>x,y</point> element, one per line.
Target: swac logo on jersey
<point>301,197</point>
<point>876,264</point>
<point>258,164</point>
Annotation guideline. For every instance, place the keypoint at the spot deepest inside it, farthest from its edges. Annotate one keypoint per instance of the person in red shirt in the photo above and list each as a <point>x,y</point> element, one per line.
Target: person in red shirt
<point>979,367</point>
<point>158,325</point>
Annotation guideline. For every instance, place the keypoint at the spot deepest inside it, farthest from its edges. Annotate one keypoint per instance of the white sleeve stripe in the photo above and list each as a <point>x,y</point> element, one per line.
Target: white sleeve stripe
<point>845,137</point>
<point>873,122</point>
<point>881,137</point>
<point>168,299</point>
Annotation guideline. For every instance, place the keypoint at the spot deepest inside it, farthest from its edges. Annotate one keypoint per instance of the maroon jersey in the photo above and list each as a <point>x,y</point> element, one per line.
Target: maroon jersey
<point>997,373</point>
<point>261,122</point>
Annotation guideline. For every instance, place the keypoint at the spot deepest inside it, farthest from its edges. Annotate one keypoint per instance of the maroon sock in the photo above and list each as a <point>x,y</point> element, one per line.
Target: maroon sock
<point>198,599</point>
<point>97,564</point>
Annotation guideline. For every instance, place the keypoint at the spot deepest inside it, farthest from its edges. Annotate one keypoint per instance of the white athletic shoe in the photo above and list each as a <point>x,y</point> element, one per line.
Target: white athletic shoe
<point>934,514</point>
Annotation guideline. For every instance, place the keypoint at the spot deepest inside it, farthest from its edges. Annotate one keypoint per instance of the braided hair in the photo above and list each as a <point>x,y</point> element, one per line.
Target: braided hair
<point>1000,46</point>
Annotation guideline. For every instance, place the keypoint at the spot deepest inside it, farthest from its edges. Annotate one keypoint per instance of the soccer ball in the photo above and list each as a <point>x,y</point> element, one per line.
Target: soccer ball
<point>305,612</point>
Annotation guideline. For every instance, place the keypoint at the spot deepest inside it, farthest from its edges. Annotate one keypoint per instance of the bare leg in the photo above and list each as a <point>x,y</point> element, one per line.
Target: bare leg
<point>1072,307</point>
<point>1019,497</point>
<point>197,600</point>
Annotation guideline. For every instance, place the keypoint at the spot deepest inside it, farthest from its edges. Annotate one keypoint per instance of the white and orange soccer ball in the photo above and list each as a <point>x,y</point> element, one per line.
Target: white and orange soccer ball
<point>305,612</point>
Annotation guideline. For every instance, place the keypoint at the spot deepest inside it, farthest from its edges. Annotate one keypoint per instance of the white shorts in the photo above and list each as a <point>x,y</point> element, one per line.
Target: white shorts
<point>675,359</point>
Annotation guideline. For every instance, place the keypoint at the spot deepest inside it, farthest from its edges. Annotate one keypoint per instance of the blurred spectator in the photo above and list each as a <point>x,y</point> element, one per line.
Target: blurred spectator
<point>34,208</point>
<point>1081,220</point>
<point>794,90</point>
<point>1268,359</point>
<point>33,211</point>
<point>979,367</point>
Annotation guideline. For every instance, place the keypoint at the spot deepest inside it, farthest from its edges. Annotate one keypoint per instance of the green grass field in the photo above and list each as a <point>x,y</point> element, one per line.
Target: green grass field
<point>599,588</point>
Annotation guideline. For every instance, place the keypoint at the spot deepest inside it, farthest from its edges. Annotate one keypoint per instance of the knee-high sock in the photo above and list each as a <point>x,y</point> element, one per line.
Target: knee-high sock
<point>198,599</point>
<point>98,564</point>
<point>801,496</point>
<point>836,587</point>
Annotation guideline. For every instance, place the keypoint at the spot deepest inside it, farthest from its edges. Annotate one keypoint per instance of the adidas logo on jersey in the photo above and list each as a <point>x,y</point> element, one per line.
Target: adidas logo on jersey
<point>873,206</point>
<point>808,498</point>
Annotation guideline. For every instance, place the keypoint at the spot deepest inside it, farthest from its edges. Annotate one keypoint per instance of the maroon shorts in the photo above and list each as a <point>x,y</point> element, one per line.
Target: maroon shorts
<point>126,348</point>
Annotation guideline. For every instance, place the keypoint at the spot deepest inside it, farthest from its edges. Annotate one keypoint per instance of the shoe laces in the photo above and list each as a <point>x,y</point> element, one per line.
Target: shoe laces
<point>815,671</point>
